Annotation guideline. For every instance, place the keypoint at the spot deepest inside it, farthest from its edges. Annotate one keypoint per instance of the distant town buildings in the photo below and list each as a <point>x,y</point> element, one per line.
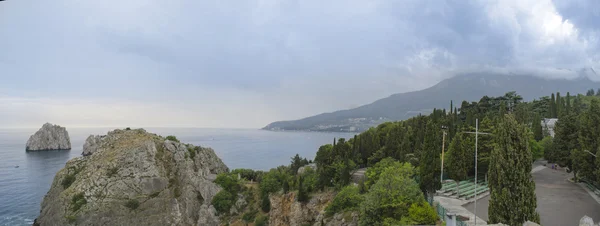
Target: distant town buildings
<point>548,125</point>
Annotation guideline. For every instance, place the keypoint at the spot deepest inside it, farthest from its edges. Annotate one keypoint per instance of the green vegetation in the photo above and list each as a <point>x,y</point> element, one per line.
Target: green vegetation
<point>349,198</point>
<point>391,196</point>
<point>71,219</point>
<point>302,193</point>
<point>191,151</point>
<point>420,214</point>
<point>265,204</point>
<point>112,171</point>
<point>70,177</point>
<point>223,201</point>
<point>127,128</point>
<point>510,181</point>
<point>249,217</point>
<point>132,204</point>
<point>78,201</point>
<point>261,221</point>
<point>172,138</point>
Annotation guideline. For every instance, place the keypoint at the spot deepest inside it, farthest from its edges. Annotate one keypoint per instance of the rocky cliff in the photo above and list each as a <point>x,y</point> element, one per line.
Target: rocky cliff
<point>49,137</point>
<point>285,210</point>
<point>131,177</point>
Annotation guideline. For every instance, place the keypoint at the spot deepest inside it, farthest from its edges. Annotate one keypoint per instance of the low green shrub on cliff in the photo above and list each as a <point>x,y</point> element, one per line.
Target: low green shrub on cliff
<point>172,138</point>
<point>68,180</point>
<point>261,220</point>
<point>132,204</point>
<point>223,201</point>
<point>228,182</point>
<point>249,216</point>
<point>78,201</point>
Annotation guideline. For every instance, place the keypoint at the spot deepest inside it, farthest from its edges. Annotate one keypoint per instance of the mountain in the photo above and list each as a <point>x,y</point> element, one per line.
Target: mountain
<point>469,87</point>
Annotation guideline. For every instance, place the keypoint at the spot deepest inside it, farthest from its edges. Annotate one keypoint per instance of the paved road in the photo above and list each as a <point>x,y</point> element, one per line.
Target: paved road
<point>559,201</point>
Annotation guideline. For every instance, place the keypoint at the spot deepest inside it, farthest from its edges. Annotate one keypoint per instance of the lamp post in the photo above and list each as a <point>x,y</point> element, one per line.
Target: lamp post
<point>443,145</point>
<point>476,138</point>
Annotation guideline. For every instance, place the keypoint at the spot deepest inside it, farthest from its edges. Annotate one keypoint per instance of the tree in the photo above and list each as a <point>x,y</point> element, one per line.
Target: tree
<point>391,196</point>
<point>372,174</point>
<point>223,201</point>
<point>589,138</point>
<point>590,92</point>
<point>568,105</point>
<point>348,198</point>
<point>429,170</point>
<point>460,157</point>
<point>537,128</point>
<point>559,107</point>
<point>296,163</point>
<point>552,106</point>
<point>302,193</point>
<point>512,189</point>
<point>565,139</point>
<point>578,158</point>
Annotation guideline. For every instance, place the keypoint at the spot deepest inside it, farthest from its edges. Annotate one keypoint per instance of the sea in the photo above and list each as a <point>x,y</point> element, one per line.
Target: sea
<point>25,177</point>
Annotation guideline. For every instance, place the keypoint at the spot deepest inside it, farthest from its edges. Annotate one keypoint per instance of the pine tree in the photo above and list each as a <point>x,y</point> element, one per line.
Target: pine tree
<point>512,189</point>
<point>429,170</point>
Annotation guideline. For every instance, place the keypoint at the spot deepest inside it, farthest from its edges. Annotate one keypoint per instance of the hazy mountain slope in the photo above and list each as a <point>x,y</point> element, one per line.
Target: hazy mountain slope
<point>470,87</point>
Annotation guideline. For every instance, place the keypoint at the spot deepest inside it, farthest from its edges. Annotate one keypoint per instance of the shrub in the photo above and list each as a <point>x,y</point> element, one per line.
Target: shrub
<point>349,198</point>
<point>422,214</point>
<point>265,204</point>
<point>71,219</point>
<point>248,217</point>
<point>172,138</point>
<point>310,179</point>
<point>261,220</point>
<point>132,204</point>
<point>68,180</point>
<point>302,194</point>
<point>78,201</point>
<point>223,201</point>
<point>155,194</point>
<point>228,182</point>
<point>127,128</point>
<point>112,171</point>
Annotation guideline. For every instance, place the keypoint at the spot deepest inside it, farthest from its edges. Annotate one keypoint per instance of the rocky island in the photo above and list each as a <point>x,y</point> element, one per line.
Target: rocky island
<point>132,177</point>
<point>49,137</point>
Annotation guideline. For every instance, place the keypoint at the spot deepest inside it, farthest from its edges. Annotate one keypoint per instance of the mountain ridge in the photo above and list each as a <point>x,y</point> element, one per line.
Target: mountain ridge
<point>400,106</point>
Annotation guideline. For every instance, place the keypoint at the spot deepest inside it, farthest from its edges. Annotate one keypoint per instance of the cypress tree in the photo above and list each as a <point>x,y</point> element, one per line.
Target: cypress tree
<point>302,194</point>
<point>552,106</point>
<point>559,106</point>
<point>538,133</point>
<point>512,189</point>
<point>568,105</point>
<point>429,170</point>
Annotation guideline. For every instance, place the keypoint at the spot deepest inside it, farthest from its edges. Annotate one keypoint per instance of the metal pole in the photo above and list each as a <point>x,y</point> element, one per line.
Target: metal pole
<point>443,143</point>
<point>476,136</point>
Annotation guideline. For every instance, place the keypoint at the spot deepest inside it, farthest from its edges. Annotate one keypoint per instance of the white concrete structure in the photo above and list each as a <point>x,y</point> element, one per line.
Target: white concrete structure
<point>548,125</point>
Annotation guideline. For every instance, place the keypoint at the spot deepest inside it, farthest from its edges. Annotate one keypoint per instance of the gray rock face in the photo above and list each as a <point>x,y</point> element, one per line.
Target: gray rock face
<point>91,145</point>
<point>49,137</point>
<point>285,210</point>
<point>586,221</point>
<point>131,177</point>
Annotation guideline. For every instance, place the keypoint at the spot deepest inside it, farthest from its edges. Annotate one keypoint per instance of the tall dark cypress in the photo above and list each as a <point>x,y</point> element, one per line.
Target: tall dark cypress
<point>559,105</point>
<point>568,105</point>
<point>552,107</point>
<point>512,189</point>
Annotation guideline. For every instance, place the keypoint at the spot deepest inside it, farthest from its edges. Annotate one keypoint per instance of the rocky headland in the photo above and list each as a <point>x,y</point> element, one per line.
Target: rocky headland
<point>132,177</point>
<point>49,137</point>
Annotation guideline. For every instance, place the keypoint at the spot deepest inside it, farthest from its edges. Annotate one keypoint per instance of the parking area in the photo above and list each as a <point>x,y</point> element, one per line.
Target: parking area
<point>559,201</point>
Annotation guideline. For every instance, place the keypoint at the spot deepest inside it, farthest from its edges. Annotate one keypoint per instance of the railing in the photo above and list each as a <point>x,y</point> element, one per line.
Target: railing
<point>441,211</point>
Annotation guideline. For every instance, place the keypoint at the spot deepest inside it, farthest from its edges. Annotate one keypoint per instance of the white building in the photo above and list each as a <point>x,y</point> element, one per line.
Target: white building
<point>548,125</point>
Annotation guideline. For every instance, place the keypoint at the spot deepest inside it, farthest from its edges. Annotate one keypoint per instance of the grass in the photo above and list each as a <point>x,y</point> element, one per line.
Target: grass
<point>132,204</point>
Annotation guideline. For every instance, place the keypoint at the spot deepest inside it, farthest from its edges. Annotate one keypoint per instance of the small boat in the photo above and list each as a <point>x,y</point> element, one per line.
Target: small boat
<point>16,166</point>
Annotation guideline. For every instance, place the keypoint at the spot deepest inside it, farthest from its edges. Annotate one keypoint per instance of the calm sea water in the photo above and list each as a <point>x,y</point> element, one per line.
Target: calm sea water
<point>26,177</point>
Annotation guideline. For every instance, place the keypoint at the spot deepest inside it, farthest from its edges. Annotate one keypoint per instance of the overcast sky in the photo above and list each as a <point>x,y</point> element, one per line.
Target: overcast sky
<point>245,63</point>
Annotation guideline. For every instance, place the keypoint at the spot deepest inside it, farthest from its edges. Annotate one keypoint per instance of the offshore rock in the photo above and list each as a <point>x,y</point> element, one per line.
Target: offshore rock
<point>134,178</point>
<point>49,137</point>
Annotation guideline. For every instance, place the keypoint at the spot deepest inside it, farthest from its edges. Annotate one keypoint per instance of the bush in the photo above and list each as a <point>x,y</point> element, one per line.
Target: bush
<point>265,204</point>
<point>228,182</point>
<point>261,221</point>
<point>248,174</point>
<point>127,128</point>
<point>132,204</point>
<point>349,198</point>
<point>302,194</point>
<point>422,214</point>
<point>172,138</point>
<point>248,217</point>
<point>191,152</point>
<point>223,201</point>
<point>78,201</point>
<point>112,171</point>
<point>310,179</point>
<point>68,180</point>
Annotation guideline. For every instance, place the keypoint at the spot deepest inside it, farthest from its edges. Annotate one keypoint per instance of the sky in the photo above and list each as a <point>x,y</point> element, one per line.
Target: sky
<point>246,63</point>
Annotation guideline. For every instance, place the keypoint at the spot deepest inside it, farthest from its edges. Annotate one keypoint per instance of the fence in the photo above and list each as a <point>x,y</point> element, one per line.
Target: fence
<point>441,211</point>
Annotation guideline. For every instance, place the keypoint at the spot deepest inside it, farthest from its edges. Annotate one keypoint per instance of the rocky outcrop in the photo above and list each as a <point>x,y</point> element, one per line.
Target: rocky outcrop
<point>91,145</point>
<point>49,137</point>
<point>285,210</point>
<point>312,166</point>
<point>131,177</point>
<point>587,221</point>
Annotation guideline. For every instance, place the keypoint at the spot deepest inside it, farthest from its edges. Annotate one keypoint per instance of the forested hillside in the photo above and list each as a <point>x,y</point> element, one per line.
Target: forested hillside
<point>407,154</point>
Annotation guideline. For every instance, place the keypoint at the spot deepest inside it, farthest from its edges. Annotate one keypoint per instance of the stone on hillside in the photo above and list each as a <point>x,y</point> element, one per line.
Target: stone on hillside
<point>49,137</point>
<point>91,145</point>
<point>134,178</point>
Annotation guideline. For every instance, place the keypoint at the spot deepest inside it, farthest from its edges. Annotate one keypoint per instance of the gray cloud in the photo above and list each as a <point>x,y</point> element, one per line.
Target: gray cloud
<point>284,59</point>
